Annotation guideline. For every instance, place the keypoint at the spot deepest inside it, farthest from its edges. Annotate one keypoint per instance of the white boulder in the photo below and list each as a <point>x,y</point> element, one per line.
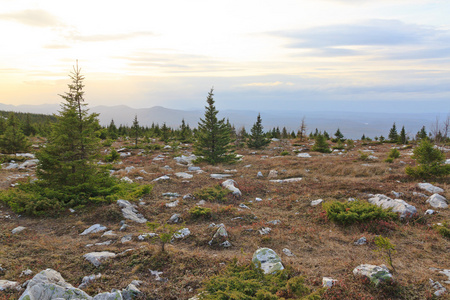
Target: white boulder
<point>430,188</point>
<point>267,260</point>
<point>129,211</point>
<point>94,229</point>
<point>230,185</point>
<point>397,205</point>
<point>376,274</point>
<point>437,201</point>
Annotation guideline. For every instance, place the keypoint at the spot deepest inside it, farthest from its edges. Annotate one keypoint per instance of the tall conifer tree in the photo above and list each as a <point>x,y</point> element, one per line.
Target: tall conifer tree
<point>68,160</point>
<point>257,139</point>
<point>213,137</point>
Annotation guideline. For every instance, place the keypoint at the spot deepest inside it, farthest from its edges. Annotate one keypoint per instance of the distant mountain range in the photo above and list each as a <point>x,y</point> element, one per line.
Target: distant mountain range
<point>351,124</point>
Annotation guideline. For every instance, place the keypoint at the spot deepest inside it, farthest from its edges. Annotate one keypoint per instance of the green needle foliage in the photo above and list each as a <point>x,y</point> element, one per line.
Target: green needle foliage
<point>386,248</point>
<point>68,161</point>
<point>431,162</point>
<point>355,212</point>
<point>213,137</point>
<point>257,139</point>
<point>13,139</point>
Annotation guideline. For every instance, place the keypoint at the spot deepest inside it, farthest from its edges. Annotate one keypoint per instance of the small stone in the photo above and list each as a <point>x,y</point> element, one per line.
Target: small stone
<point>259,175</point>
<point>165,177</point>
<point>18,229</point>
<point>361,241</point>
<point>88,279</point>
<point>7,285</point>
<point>123,227</point>
<point>173,204</point>
<point>274,222</point>
<point>242,205</point>
<point>184,175</point>
<point>94,229</point>
<point>109,233</point>
<point>258,199</point>
<point>220,176</point>
<point>287,252</point>
<point>27,272</point>
<point>182,233</point>
<point>96,258</point>
<point>126,179</point>
<point>376,274</point>
<point>175,218</point>
<point>126,239</point>
<point>429,212</point>
<point>304,155</point>
<point>328,282</point>
<point>230,185</point>
<point>193,169</point>
<point>316,202</point>
<point>142,237</point>
<point>265,230</point>
<point>272,174</point>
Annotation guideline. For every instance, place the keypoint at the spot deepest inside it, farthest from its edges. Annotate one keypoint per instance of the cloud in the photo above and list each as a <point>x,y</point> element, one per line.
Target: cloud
<point>110,37</point>
<point>33,17</point>
<point>56,46</point>
<point>370,33</point>
<point>267,84</point>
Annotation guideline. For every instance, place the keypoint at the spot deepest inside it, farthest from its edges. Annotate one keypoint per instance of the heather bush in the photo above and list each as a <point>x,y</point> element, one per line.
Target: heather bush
<point>198,212</point>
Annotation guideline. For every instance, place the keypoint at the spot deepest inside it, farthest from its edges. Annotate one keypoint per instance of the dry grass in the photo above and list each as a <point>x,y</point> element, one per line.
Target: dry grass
<point>321,248</point>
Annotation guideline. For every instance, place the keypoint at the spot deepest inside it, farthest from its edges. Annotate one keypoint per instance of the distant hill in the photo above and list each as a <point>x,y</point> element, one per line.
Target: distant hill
<point>351,124</point>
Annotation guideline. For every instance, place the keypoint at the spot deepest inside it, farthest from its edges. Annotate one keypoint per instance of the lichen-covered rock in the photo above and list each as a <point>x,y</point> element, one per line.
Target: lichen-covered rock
<point>48,285</point>
<point>18,229</point>
<point>268,260</point>
<point>130,212</point>
<point>328,282</point>
<point>376,274</point>
<point>230,185</point>
<point>397,205</point>
<point>437,201</point>
<point>220,237</point>
<point>182,233</point>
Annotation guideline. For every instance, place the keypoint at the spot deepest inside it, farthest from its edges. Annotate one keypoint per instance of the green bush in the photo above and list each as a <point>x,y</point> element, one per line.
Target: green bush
<point>153,147</point>
<point>389,160</point>
<point>321,144</point>
<point>216,193</point>
<point>431,162</point>
<point>250,283</point>
<point>284,153</point>
<point>394,153</point>
<point>112,156</point>
<point>443,229</point>
<point>200,212</point>
<point>363,156</point>
<point>355,212</point>
<point>37,200</point>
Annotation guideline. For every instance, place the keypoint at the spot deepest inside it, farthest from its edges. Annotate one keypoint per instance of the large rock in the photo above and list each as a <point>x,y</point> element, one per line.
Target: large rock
<point>129,211</point>
<point>397,205</point>
<point>269,261</point>
<point>229,184</point>
<point>437,201</point>
<point>376,274</point>
<point>48,285</point>
<point>430,188</point>
<point>96,258</point>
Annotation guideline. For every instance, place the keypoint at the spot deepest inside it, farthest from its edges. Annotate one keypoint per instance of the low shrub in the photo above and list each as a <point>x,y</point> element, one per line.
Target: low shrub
<point>284,153</point>
<point>216,193</point>
<point>389,160</point>
<point>355,212</point>
<point>153,147</point>
<point>198,212</point>
<point>112,156</point>
<point>36,200</point>
<point>249,282</point>
<point>443,229</point>
<point>394,153</point>
<point>363,156</point>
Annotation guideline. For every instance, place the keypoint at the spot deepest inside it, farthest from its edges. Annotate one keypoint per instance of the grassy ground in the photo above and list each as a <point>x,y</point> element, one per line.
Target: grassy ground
<point>321,248</point>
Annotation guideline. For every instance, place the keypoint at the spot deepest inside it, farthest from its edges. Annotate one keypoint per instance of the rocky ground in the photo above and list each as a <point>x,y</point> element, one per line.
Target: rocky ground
<point>274,203</point>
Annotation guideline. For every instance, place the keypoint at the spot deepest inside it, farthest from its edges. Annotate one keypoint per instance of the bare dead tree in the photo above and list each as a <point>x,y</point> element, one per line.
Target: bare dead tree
<point>302,130</point>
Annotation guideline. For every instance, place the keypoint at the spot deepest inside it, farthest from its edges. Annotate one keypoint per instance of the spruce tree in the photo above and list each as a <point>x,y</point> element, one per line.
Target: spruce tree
<point>422,134</point>
<point>339,136</point>
<point>257,138</point>
<point>13,140</point>
<point>393,135</point>
<point>213,137</point>
<point>165,133</point>
<point>402,139</point>
<point>321,144</point>
<point>68,161</point>
<point>135,131</point>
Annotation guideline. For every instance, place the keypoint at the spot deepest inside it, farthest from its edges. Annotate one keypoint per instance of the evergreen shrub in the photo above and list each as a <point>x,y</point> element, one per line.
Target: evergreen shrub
<point>356,212</point>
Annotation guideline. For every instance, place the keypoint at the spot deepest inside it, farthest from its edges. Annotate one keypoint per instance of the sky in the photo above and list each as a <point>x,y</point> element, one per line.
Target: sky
<point>349,55</point>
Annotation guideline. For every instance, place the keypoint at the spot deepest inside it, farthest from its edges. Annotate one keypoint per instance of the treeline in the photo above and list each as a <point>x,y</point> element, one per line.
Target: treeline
<point>29,123</point>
